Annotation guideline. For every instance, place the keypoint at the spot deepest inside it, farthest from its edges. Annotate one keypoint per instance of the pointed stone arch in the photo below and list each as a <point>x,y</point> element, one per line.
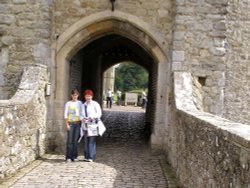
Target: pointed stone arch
<point>104,23</point>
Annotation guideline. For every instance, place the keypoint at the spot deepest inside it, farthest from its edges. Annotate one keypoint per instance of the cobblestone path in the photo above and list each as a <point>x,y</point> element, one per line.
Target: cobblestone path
<point>117,165</point>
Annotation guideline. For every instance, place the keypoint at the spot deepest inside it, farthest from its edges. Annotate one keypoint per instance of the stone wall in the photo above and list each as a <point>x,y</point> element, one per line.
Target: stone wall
<point>23,122</point>
<point>25,38</point>
<point>157,13</point>
<point>204,149</point>
<point>199,47</point>
<point>237,96</point>
<point>211,41</point>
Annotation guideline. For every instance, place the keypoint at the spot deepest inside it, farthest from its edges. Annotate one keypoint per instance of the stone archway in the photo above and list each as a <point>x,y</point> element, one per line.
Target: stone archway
<point>105,23</point>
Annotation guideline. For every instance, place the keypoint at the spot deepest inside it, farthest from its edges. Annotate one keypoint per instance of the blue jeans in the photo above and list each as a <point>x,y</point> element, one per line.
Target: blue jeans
<point>89,146</point>
<point>72,141</point>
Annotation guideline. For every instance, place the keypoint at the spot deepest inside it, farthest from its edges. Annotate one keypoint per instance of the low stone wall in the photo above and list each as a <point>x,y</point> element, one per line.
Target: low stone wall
<point>22,122</point>
<point>206,150</point>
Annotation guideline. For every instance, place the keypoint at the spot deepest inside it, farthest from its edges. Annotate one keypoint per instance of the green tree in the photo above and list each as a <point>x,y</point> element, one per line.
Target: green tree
<point>130,76</point>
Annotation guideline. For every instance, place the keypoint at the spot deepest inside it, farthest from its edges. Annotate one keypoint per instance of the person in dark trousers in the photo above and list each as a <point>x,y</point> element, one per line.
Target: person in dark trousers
<point>72,111</point>
<point>119,97</point>
<point>109,98</point>
<point>91,112</point>
<point>144,100</point>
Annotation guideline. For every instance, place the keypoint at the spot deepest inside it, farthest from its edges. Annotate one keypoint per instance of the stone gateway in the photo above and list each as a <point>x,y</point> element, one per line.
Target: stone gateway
<point>197,57</point>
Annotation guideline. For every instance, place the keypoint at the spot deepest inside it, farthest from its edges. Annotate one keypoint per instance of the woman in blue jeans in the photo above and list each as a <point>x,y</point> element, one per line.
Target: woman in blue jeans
<point>91,112</point>
<point>72,111</point>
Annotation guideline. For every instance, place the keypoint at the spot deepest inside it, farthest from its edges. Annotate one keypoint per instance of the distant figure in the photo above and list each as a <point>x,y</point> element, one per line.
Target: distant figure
<point>144,100</point>
<point>119,97</point>
<point>109,98</point>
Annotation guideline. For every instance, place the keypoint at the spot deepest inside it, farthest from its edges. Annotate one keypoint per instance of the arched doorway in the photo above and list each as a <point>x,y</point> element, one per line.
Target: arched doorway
<point>104,33</point>
<point>88,65</point>
<point>95,58</point>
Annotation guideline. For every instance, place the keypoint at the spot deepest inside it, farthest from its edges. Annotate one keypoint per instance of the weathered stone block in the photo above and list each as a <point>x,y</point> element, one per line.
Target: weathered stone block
<point>19,1</point>
<point>178,56</point>
<point>7,19</point>
<point>7,40</point>
<point>217,2</point>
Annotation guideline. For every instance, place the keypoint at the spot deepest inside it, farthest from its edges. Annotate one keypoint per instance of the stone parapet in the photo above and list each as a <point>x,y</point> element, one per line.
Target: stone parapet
<point>206,150</point>
<point>23,122</point>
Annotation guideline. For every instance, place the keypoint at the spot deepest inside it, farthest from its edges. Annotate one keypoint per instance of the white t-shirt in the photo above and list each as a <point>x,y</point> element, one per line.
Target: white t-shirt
<point>119,93</point>
<point>93,110</point>
<point>109,93</point>
<point>72,111</point>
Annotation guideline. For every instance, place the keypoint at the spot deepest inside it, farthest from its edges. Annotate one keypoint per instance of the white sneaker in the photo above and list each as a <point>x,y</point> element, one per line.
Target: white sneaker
<point>90,160</point>
<point>75,160</point>
<point>85,160</point>
<point>68,161</point>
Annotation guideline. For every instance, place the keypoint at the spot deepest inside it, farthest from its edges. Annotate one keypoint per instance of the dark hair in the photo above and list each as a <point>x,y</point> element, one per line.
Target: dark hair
<point>74,91</point>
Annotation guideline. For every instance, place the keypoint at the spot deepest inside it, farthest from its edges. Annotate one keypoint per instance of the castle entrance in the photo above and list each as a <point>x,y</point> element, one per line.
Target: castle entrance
<point>88,65</point>
<point>92,45</point>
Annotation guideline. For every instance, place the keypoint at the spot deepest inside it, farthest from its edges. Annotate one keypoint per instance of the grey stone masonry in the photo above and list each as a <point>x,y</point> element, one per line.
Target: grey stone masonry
<point>197,56</point>
<point>206,150</point>
<point>199,47</point>
<point>23,122</point>
<point>25,30</point>
<point>237,98</point>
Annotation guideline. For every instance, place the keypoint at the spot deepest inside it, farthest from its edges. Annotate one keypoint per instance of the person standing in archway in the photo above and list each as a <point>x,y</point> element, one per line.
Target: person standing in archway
<point>144,100</point>
<point>109,98</point>
<point>72,111</point>
<point>119,97</point>
<point>91,112</point>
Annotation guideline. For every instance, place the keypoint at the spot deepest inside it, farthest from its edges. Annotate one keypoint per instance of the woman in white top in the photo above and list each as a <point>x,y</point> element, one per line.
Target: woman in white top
<point>72,118</point>
<point>91,112</point>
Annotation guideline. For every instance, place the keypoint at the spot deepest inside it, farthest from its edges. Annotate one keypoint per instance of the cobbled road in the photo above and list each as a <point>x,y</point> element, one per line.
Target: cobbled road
<point>119,164</point>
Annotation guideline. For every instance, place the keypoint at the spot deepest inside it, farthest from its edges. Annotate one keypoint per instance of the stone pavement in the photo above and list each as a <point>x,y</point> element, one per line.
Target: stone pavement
<point>118,165</point>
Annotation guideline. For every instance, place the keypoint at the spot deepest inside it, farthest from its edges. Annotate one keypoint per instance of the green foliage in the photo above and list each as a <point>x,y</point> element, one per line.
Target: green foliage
<point>130,76</point>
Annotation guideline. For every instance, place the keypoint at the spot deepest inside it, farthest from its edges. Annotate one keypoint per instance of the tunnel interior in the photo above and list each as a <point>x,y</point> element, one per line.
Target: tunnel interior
<point>88,65</point>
